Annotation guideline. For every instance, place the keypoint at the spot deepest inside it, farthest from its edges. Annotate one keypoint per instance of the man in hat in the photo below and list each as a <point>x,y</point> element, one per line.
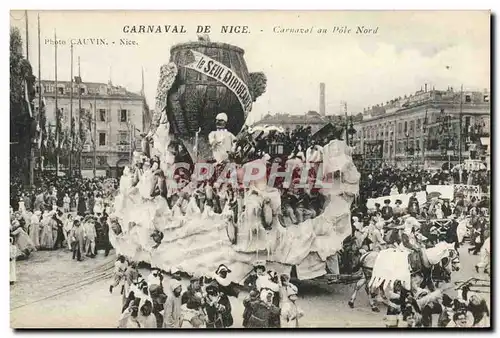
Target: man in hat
<point>398,209</point>
<point>192,303</point>
<point>249,303</point>
<point>263,311</point>
<point>221,140</point>
<point>77,238</point>
<point>217,307</point>
<point>387,212</point>
<point>259,270</point>
<point>193,297</point>
<point>226,288</point>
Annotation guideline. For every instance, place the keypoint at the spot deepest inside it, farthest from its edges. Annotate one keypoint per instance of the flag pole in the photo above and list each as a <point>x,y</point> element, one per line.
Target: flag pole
<point>57,108</point>
<point>460,127</point>
<point>27,36</point>
<point>32,162</point>
<point>71,115</point>
<point>79,113</point>
<point>95,132</point>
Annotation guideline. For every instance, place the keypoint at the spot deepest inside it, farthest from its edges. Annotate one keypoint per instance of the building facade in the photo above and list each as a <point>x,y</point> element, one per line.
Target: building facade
<point>423,129</point>
<point>113,118</point>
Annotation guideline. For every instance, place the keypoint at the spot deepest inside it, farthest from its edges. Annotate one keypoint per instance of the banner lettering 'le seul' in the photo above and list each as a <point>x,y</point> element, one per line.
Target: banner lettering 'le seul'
<point>216,70</point>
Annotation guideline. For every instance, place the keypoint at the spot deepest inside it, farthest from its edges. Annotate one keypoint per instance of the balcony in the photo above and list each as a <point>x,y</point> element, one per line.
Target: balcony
<point>123,148</point>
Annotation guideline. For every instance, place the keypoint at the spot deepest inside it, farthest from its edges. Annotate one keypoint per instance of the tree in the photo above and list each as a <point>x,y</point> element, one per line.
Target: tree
<point>22,125</point>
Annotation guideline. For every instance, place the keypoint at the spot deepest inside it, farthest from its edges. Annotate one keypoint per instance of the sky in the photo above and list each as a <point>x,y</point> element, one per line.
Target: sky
<point>409,49</point>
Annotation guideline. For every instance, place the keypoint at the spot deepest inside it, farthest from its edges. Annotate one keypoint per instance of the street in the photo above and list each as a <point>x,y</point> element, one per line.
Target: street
<point>55,292</point>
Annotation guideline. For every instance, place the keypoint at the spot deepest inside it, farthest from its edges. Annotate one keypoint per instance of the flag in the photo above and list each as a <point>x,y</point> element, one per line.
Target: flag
<point>26,96</point>
<point>40,135</point>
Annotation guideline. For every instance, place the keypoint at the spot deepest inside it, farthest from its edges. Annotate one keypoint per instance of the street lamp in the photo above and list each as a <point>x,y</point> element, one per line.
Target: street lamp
<point>350,131</point>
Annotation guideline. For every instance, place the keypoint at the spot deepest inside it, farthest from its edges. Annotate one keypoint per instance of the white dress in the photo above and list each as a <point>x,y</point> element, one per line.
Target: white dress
<point>13,256</point>
<point>98,205</point>
<point>221,142</point>
<point>22,208</point>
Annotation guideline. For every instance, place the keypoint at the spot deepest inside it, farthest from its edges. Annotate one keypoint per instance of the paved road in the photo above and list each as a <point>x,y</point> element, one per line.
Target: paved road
<point>55,292</point>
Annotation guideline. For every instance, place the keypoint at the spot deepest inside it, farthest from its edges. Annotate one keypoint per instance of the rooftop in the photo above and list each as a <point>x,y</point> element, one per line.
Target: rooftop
<point>97,89</point>
<point>311,117</point>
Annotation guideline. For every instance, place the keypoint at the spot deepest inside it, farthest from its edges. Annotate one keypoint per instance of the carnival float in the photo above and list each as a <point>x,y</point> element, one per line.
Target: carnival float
<point>202,80</point>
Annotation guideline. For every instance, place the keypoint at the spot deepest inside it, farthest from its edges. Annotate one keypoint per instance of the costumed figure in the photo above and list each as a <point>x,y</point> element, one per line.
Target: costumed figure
<point>290,312</point>
<point>173,312</point>
<point>225,288</point>
<point>46,237</point>
<point>66,203</point>
<point>77,238</point>
<point>13,257</point>
<point>35,228</point>
<point>221,140</point>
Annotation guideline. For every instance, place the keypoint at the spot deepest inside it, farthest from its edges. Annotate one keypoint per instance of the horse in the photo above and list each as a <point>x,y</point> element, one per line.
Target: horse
<point>449,261</point>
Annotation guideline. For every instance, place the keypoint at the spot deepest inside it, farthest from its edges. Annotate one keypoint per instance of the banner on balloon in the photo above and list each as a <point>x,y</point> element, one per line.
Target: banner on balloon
<point>445,191</point>
<point>404,198</point>
<point>220,72</point>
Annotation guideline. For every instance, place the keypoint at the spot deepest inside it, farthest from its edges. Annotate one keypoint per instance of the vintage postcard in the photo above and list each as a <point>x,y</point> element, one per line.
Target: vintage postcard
<point>250,169</point>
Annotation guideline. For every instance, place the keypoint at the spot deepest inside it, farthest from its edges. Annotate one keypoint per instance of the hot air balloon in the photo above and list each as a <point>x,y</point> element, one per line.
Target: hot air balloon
<point>194,99</point>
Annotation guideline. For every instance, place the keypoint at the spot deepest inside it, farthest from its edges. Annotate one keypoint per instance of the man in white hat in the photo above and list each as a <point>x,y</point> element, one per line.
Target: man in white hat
<point>221,140</point>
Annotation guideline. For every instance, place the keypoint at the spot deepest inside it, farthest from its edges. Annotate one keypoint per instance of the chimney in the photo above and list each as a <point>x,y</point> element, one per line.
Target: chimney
<point>322,99</point>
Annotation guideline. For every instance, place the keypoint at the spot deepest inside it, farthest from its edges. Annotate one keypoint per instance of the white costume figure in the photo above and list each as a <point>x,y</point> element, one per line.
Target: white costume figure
<point>221,140</point>
<point>485,256</point>
<point>22,208</point>
<point>314,154</point>
<point>13,257</point>
<point>66,203</point>
<point>146,181</point>
<point>98,205</point>
<point>439,211</point>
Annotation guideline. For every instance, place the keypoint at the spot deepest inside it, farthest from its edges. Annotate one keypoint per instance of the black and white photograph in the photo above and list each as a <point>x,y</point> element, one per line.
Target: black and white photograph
<point>250,169</point>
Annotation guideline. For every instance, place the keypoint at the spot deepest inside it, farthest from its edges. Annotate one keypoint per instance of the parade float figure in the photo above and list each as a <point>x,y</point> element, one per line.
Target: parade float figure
<point>247,226</point>
<point>221,140</point>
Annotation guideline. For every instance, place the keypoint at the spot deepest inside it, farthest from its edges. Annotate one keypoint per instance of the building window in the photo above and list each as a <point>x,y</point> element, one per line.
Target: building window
<point>82,91</point>
<point>468,98</point>
<point>123,115</point>
<point>123,138</point>
<point>60,90</point>
<point>102,139</point>
<point>419,123</point>
<point>406,126</point>
<point>102,115</point>
<point>400,127</point>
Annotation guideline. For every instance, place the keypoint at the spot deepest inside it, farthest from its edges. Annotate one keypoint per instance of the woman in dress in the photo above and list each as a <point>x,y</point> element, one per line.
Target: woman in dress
<point>21,238</point>
<point>98,204</point>
<point>22,207</point>
<point>35,228</point>
<point>66,203</point>
<point>47,237</point>
<point>13,257</point>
